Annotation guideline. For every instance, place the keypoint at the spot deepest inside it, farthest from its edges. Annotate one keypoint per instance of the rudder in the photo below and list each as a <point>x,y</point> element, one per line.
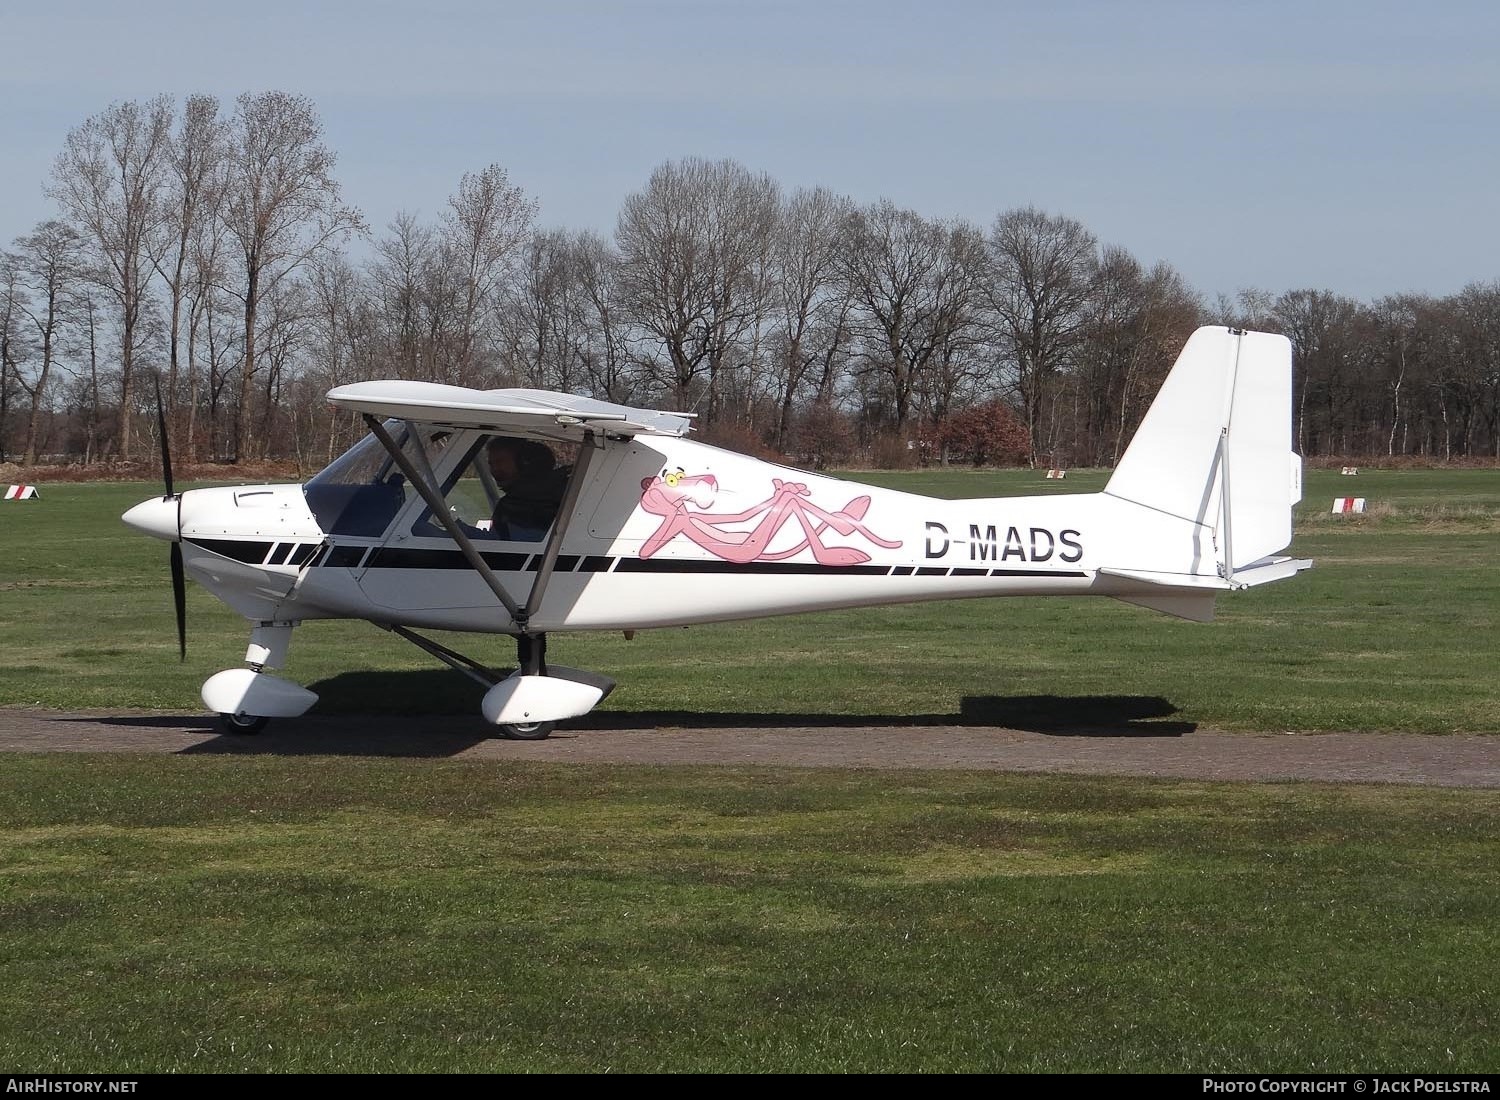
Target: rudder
<point>1216,444</point>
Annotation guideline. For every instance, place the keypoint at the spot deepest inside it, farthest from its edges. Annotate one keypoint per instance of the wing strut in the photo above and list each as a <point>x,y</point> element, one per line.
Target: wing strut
<point>560,525</point>
<point>485,677</point>
<point>439,508</point>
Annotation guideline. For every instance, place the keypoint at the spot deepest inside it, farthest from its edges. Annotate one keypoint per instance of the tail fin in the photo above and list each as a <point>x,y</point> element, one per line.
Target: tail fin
<point>1215,447</point>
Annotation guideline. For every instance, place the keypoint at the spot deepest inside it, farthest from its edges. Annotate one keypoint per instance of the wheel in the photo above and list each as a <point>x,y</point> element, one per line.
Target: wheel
<point>529,731</point>
<point>242,724</point>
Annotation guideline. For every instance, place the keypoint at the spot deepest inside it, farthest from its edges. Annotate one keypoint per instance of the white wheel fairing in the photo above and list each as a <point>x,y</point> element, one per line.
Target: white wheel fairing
<point>243,691</point>
<point>530,700</point>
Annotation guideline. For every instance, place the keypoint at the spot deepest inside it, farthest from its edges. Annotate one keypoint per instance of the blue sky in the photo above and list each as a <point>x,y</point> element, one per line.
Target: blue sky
<point>1346,146</point>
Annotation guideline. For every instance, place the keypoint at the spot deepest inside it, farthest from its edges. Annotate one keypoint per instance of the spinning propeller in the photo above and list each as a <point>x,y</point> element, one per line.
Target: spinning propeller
<point>179,582</point>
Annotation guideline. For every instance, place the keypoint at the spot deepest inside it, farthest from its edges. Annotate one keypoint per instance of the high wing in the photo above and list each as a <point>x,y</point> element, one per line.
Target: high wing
<point>510,411</point>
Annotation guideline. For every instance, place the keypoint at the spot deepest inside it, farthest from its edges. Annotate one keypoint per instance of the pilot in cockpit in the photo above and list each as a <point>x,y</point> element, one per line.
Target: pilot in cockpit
<point>531,484</point>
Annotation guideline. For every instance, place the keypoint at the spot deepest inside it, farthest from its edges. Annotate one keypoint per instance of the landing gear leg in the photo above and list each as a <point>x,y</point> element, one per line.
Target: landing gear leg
<point>531,656</point>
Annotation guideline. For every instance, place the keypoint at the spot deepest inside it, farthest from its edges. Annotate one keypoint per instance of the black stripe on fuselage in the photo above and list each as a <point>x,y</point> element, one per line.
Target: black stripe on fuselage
<point>388,557</point>
<point>506,562</point>
<point>268,553</point>
<point>1034,572</point>
<point>251,553</point>
<point>347,557</point>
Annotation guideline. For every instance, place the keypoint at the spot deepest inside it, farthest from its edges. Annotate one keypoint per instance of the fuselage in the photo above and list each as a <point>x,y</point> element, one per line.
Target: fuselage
<point>663,532</point>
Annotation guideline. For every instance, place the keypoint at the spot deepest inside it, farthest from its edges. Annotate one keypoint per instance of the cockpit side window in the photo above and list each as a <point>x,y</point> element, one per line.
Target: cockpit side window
<point>470,493</point>
<point>506,488</point>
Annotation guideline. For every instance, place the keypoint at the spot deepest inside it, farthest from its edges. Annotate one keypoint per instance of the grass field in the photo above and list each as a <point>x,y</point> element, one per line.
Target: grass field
<point>255,913</point>
<point>1393,630</point>
<point>319,913</point>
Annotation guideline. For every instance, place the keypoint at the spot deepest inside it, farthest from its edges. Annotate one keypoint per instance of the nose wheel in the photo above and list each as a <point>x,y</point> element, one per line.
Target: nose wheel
<point>528,731</point>
<point>242,724</point>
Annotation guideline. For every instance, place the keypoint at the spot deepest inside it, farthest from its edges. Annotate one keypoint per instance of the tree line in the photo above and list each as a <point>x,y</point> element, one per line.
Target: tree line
<point>206,253</point>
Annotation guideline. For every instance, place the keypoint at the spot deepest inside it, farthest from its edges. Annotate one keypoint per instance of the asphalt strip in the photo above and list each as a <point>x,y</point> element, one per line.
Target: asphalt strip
<point>1164,750</point>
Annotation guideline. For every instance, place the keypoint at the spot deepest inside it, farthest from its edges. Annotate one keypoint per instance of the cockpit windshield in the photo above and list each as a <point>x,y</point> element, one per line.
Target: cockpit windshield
<point>362,490</point>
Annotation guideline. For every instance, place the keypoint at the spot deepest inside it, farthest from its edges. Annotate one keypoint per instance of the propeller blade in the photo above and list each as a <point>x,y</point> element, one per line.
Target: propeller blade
<point>166,449</point>
<point>179,599</point>
<point>179,579</point>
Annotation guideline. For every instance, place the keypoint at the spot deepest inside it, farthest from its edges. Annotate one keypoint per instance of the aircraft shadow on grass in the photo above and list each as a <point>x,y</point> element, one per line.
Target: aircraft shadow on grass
<point>432,713</point>
<point>429,692</point>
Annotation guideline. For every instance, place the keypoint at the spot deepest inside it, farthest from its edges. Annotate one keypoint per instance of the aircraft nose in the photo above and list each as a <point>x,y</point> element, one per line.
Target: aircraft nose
<point>156,517</point>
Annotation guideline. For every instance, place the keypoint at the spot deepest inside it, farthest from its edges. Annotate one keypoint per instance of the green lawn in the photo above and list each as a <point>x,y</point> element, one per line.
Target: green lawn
<point>260,913</point>
<point>1393,630</point>
<point>320,913</point>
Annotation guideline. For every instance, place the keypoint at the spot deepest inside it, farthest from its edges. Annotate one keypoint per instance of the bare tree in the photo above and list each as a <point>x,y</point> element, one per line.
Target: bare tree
<point>218,348</point>
<point>440,301</point>
<point>598,268</point>
<point>341,333</point>
<point>196,174</point>
<point>1043,267</point>
<point>82,341</point>
<point>212,331</point>
<point>1476,373</point>
<point>282,206</point>
<point>12,302</point>
<point>211,243</point>
<point>108,181</point>
<point>545,321</point>
<point>695,245</point>
<point>960,369</point>
<point>484,227</point>
<point>665,281</point>
<point>401,273</point>
<point>204,298</point>
<point>1321,326</point>
<point>1136,322</point>
<point>1399,331</point>
<point>47,259</point>
<point>914,283</point>
<point>285,316</point>
<point>809,297</point>
<point>744,210</point>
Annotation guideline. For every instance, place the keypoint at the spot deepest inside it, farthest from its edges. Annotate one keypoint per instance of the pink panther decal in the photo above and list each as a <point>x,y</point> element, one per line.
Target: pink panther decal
<point>682,501</point>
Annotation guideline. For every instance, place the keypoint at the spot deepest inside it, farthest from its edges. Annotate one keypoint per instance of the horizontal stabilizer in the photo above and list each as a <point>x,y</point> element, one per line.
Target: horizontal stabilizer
<point>1269,569</point>
<point>1191,595</point>
<point>1260,572</point>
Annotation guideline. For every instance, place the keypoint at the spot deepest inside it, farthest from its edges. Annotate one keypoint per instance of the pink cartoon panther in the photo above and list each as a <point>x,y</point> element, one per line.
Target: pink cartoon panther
<point>681,499</point>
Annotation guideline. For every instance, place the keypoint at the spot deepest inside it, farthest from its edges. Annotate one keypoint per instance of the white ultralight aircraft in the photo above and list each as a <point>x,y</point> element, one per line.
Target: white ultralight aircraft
<point>408,529</point>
